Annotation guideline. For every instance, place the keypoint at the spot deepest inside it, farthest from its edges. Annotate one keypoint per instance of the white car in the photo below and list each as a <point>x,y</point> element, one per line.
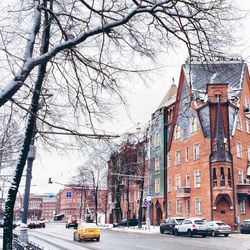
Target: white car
<point>218,227</point>
<point>190,227</point>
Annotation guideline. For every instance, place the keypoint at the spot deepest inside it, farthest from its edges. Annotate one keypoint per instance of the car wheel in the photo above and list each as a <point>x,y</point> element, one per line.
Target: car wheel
<point>172,231</point>
<point>162,230</point>
<point>98,239</point>
<point>242,231</point>
<point>189,232</point>
<point>213,233</point>
<point>79,239</point>
<point>176,233</point>
<point>226,235</point>
<point>204,235</point>
<point>74,237</point>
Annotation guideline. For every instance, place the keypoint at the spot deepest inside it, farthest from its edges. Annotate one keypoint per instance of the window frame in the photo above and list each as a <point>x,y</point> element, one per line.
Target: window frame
<point>157,185</point>
<point>196,151</point>
<point>198,209</point>
<point>197,184</point>
<point>178,157</point>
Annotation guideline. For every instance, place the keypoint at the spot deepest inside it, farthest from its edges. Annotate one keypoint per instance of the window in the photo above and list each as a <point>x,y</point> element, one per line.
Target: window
<point>187,154</point>
<point>68,194</point>
<point>239,124</point>
<point>169,184</point>
<point>197,178</point>
<point>177,132</point>
<point>193,125</point>
<point>157,185</point>
<point>196,151</point>
<point>240,176</point>
<point>178,157</point>
<point>242,207</point>
<point>178,207</point>
<point>248,126</point>
<point>157,165</point>
<point>248,153</point>
<point>169,207</point>
<point>169,160</point>
<point>246,102</point>
<point>187,180</point>
<point>157,139</point>
<point>177,181</point>
<point>238,150</point>
<point>198,206</point>
<point>188,206</point>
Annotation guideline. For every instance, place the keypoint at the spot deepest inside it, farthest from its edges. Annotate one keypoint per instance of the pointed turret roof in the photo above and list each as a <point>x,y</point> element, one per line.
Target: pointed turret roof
<point>170,96</point>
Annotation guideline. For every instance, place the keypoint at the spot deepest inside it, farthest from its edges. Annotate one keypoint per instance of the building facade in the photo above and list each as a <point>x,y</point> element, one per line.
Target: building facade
<point>209,143</point>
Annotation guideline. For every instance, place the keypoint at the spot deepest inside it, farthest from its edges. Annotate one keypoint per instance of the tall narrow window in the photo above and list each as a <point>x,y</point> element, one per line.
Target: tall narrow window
<point>178,181</point>
<point>178,157</point>
<point>193,125</point>
<point>169,207</point>
<point>248,153</point>
<point>188,206</point>
<point>187,180</point>
<point>169,184</point>
<point>157,139</point>
<point>196,151</point>
<point>239,124</point>
<point>248,126</point>
<point>240,176</point>
<point>178,207</point>
<point>177,134</point>
<point>214,178</point>
<point>229,177</point>
<point>157,185</point>
<point>238,150</point>
<point>169,161</point>
<point>242,206</point>
<point>222,177</point>
<point>157,165</point>
<point>187,154</point>
<point>246,103</point>
<point>197,178</point>
<point>198,208</point>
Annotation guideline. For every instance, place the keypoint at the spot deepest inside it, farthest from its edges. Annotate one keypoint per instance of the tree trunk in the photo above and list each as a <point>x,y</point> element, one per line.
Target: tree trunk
<point>96,204</point>
<point>11,198</point>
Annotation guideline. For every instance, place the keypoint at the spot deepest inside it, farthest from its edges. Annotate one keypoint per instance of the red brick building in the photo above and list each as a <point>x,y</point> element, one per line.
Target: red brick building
<point>69,201</point>
<point>208,143</point>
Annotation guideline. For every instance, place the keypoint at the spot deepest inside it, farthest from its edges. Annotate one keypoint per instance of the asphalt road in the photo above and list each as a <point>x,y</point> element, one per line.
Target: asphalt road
<point>56,237</point>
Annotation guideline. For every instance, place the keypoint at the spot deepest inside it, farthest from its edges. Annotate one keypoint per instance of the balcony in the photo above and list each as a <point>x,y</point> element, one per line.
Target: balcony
<point>243,188</point>
<point>183,192</point>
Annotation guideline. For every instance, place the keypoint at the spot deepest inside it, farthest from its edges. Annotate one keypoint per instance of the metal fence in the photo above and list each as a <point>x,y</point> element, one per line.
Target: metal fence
<point>19,245</point>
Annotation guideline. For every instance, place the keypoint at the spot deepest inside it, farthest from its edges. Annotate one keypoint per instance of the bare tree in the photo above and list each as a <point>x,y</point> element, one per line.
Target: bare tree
<point>79,49</point>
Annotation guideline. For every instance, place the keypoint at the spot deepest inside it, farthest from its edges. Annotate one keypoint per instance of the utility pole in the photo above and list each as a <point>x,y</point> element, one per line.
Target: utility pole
<point>149,165</point>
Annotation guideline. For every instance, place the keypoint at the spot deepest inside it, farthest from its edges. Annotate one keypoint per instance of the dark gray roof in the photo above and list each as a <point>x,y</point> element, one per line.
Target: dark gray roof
<point>200,74</point>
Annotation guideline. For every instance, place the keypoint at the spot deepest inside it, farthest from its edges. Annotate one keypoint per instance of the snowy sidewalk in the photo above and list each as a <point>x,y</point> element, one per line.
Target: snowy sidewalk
<point>144,230</point>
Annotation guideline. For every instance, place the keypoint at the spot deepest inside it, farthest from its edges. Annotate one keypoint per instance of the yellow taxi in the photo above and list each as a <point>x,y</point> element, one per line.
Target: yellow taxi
<point>87,231</point>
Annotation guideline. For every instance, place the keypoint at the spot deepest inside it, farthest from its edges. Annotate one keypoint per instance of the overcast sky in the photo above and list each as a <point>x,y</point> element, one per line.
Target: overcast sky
<point>143,101</point>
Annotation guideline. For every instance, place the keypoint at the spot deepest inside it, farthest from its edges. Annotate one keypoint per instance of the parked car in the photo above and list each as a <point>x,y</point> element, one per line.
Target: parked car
<point>245,226</point>
<point>191,226</point>
<point>218,227</point>
<point>169,224</point>
<point>124,223</point>
<point>87,231</point>
<point>40,224</point>
<point>72,223</point>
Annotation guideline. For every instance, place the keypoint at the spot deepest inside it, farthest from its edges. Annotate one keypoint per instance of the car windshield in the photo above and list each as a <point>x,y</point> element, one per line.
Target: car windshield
<point>88,225</point>
<point>220,223</point>
<point>199,222</point>
<point>179,221</point>
<point>246,222</point>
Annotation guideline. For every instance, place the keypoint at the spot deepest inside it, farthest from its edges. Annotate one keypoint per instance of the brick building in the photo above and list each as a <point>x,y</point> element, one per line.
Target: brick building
<point>126,184</point>
<point>208,143</point>
<point>69,201</point>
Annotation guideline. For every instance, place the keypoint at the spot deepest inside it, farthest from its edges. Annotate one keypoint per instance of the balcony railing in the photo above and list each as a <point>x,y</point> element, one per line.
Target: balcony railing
<point>183,192</point>
<point>243,188</point>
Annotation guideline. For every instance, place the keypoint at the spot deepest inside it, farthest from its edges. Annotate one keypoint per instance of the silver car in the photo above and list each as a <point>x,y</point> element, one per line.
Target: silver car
<point>217,228</point>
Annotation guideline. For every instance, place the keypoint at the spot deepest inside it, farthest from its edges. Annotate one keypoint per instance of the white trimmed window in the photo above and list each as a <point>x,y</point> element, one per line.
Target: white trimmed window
<point>240,176</point>
<point>248,153</point>
<point>177,181</point>
<point>169,207</point>
<point>193,125</point>
<point>238,150</point>
<point>246,102</point>
<point>188,210</point>
<point>169,160</point>
<point>198,207</point>
<point>157,165</point>
<point>178,207</point>
<point>187,154</point>
<point>178,157</point>
<point>239,123</point>
<point>157,139</point>
<point>242,205</point>
<point>187,180</point>
<point>196,151</point>
<point>248,126</point>
<point>169,184</point>
<point>197,178</point>
<point>157,185</point>
<point>177,132</point>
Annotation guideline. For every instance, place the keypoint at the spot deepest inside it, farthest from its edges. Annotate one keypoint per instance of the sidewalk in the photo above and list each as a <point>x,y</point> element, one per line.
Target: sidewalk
<point>144,230</point>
